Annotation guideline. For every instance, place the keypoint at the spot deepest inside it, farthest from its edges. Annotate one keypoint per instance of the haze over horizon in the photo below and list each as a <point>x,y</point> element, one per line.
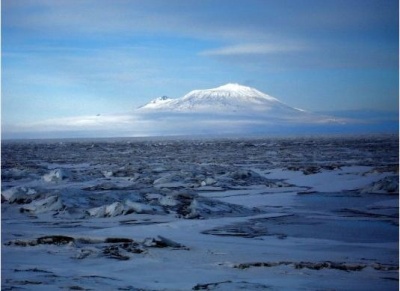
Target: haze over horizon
<point>65,59</point>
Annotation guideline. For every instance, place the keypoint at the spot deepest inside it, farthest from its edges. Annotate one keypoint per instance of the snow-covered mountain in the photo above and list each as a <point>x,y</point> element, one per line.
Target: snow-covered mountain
<point>231,109</point>
<point>228,98</point>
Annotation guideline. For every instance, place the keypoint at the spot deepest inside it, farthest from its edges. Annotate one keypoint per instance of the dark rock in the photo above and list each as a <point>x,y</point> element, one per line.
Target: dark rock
<point>113,252</point>
<point>162,242</point>
<point>118,240</point>
<point>348,267</point>
<point>55,239</point>
<point>209,285</point>
<point>132,248</point>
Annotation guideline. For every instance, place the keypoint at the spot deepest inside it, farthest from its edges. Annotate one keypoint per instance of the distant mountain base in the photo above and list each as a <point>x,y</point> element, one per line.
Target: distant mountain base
<point>151,125</point>
<point>228,110</point>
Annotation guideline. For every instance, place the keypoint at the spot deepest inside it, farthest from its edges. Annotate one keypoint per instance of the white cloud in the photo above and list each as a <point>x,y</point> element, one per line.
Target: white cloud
<point>148,124</point>
<point>86,123</point>
<point>254,48</point>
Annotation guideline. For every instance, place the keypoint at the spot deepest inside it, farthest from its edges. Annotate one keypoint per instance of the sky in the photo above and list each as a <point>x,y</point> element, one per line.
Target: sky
<point>69,58</point>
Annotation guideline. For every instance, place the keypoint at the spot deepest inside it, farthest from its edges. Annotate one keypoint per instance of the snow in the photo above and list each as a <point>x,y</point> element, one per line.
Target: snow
<point>228,109</point>
<point>18,193</point>
<point>158,102</point>
<point>194,214</point>
<point>227,98</point>
<point>55,175</point>
<point>51,203</point>
<point>232,90</point>
<point>346,178</point>
<point>141,207</point>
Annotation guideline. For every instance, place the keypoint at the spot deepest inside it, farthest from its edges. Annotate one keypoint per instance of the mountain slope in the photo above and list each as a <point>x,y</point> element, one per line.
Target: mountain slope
<point>228,98</point>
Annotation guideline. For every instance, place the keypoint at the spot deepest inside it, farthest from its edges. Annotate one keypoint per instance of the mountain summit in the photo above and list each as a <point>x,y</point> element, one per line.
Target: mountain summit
<point>230,92</point>
<point>229,98</point>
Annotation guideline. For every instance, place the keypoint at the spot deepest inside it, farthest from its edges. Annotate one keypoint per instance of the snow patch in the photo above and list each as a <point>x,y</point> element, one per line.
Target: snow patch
<point>51,203</point>
<point>18,194</point>
<point>56,175</point>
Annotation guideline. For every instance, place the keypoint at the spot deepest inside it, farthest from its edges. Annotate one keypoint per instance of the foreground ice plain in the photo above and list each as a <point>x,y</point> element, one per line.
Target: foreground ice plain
<point>201,214</point>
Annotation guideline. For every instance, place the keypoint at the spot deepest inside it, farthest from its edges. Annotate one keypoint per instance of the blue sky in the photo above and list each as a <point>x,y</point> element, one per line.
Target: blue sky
<point>80,58</point>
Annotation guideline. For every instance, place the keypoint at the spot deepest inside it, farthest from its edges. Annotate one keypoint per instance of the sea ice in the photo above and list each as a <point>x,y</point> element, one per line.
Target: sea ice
<point>315,213</point>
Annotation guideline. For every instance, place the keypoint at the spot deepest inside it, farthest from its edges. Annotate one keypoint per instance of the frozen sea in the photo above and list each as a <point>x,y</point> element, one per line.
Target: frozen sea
<point>295,213</point>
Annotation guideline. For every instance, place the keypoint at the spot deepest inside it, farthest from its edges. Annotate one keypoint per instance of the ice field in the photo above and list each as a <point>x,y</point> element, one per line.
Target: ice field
<point>296,213</point>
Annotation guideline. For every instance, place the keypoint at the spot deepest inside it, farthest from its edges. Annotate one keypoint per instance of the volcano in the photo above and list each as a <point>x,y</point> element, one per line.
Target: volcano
<point>229,98</point>
<point>230,101</point>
